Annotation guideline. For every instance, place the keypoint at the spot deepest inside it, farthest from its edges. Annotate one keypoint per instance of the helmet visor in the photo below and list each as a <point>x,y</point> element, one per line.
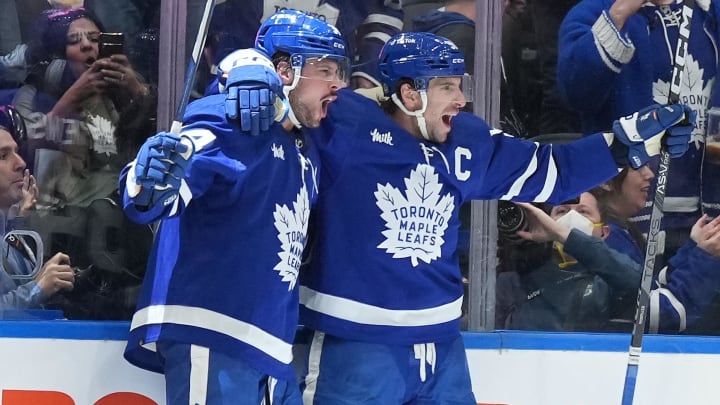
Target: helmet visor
<point>329,68</point>
<point>448,88</point>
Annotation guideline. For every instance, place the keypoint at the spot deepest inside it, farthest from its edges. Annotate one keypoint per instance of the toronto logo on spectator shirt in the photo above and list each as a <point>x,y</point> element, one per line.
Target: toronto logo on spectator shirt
<point>694,92</point>
<point>415,220</point>
<point>102,132</point>
<point>291,225</point>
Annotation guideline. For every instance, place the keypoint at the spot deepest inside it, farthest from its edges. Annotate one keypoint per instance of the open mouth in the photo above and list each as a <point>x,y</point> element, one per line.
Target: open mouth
<point>446,119</point>
<point>325,104</point>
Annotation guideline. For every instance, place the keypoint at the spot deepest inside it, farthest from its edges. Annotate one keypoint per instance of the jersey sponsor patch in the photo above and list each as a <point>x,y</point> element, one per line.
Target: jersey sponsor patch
<point>417,218</point>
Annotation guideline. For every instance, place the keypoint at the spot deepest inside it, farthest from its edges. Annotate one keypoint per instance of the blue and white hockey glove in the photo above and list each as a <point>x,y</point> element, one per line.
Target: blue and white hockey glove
<point>254,96</point>
<point>159,169</point>
<point>646,131</point>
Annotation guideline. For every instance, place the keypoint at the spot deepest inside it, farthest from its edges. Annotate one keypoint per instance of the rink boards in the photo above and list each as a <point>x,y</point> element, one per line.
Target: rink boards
<point>69,362</point>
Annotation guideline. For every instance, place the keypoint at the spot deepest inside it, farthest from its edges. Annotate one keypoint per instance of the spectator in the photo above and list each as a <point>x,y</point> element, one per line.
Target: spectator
<point>685,288</point>
<point>245,200</point>
<point>73,104</point>
<point>618,55</point>
<point>578,288</point>
<point>74,141</point>
<point>17,186</point>
<point>555,116</point>
<point>621,198</point>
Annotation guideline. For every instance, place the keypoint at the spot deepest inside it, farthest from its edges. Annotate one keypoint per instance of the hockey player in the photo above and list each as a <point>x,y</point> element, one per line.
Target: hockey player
<point>383,290</point>
<point>219,307</point>
<point>383,283</point>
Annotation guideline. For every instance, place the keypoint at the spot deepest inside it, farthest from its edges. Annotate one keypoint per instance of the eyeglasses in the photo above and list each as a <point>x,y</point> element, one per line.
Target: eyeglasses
<point>76,37</point>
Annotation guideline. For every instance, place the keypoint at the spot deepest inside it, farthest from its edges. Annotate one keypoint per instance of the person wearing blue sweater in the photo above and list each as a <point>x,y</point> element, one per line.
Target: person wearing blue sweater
<point>685,288</point>
<point>616,56</point>
<point>218,310</point>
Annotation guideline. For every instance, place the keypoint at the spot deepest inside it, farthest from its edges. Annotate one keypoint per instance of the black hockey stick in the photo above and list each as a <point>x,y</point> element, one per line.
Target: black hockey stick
<point>643,298</point>
<point>193,65</point>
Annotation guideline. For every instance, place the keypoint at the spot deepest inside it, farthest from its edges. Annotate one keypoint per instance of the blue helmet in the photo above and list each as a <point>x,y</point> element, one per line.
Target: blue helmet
<point>417,55</point>
<point>297,33</point>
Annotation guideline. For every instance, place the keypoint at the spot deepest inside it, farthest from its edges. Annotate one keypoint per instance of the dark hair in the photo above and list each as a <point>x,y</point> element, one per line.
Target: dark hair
<point>52,28</point>
<point>389,105</point>
<point>608,214</point>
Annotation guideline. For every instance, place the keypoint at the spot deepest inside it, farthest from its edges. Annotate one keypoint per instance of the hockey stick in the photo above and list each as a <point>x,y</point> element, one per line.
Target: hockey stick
<point>643,298</point>
<point>193,65</point>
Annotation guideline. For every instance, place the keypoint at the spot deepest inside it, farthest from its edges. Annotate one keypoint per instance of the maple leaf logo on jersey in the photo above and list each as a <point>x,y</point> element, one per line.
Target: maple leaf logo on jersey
<point>292,233</point>
<point>416,221</point>
<point>103,135</point>
<point>693,92</point>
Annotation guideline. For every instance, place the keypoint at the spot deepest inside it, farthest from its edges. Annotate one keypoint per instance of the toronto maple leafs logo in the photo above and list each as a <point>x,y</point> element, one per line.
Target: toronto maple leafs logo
<point>416,220</point>
<point>103,135</point>
<point>693,91</point>
<point>291,225</point>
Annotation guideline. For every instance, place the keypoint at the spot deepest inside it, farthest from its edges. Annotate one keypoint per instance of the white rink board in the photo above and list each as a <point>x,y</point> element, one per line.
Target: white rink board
<point>81,363</point>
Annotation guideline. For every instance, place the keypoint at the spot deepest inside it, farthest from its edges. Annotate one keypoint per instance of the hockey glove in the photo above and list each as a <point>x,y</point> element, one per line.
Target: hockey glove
<point>159,169</point>
<point>644,132</point>
<point>253,91</point>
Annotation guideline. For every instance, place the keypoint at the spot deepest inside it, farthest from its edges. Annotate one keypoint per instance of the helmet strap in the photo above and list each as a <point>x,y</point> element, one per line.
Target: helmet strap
<point>417,114</point>
<point>287,90</point>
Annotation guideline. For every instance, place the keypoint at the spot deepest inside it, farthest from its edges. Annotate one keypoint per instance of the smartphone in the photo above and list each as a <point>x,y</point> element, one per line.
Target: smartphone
<point>111,43</point>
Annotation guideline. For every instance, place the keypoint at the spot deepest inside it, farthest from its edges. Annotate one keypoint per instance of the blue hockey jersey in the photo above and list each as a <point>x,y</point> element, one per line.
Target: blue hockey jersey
<point>383,266</point>
<point>224,268</point>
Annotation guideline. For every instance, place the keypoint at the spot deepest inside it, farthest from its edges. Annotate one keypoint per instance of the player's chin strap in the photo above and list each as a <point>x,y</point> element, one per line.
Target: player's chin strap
<point>417,114</point>
<point>287,90</point>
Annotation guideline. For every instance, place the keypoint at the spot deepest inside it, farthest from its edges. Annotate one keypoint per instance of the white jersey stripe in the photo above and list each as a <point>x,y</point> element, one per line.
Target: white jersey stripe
<point>550,181</point>
<point>211,320</point>
<point>199,370</point>
<point>520,181</point>
<point>358,312</point>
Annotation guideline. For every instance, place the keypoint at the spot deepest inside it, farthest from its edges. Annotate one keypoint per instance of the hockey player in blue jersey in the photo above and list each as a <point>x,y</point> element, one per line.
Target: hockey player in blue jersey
<point>383,289</point>
<point>219,306</point>
<point>383,284</point>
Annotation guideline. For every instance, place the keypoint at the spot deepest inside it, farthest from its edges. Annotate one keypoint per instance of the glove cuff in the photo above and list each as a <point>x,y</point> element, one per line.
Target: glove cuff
<point>619,152</point>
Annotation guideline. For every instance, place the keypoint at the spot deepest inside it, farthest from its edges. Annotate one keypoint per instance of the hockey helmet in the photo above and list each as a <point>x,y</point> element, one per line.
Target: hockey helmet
<point>303,37</point>
<point>420,56</point>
